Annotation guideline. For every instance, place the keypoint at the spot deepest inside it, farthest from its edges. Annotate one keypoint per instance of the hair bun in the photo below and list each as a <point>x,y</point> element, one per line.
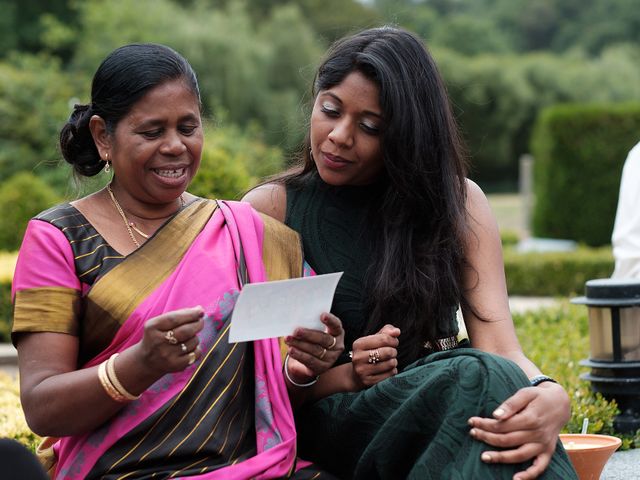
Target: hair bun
<point>76,143</point>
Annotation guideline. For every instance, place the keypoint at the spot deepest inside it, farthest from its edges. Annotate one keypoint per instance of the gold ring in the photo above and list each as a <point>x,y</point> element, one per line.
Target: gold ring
<point>183,347</point>
<point>332,344</point>
<point>324,352</point>
<point>192,358</point>
<point>170,336</point>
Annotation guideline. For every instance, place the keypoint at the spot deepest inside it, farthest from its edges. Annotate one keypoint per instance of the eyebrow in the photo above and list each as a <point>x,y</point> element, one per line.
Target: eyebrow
<point>158,122</point>
<point>338,99</point>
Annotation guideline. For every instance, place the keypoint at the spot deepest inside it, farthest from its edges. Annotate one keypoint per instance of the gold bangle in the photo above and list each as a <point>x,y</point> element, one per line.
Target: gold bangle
<point>111,374</point>
<point>107,385</point>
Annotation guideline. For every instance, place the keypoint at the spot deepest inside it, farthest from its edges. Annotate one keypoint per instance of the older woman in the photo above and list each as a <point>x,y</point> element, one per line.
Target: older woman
<point>381,194</point>
<point>123,299</point>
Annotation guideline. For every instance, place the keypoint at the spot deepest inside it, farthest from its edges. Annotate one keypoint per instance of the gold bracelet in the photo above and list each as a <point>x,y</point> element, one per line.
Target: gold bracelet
<point>111,374</point>
<point>107,385</point>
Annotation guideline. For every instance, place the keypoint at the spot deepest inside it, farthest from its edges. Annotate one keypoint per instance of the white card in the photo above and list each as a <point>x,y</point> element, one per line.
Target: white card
<point>275,309</point>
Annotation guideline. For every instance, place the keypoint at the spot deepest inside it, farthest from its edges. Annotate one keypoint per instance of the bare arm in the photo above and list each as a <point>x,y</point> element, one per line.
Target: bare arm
<point>60,400</point>
<point>526,425</point>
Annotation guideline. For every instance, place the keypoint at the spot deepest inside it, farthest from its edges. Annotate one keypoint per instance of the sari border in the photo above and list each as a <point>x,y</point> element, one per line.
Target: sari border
<point>281,250</point>
<point>140,273</point>
<point>46,309</point>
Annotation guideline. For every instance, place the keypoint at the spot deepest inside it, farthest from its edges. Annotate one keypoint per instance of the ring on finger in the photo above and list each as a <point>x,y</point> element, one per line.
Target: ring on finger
<point>324,352</point>
<point>192,358</point>
<point>333,344</point>
<point>170,337</point>
<point>374,356</point>
<point>183,347</point>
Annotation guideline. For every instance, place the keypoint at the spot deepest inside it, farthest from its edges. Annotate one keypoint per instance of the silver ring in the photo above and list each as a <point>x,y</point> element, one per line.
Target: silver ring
<point>324,352</point>
<point>333,344</point>
<point>183,347</point>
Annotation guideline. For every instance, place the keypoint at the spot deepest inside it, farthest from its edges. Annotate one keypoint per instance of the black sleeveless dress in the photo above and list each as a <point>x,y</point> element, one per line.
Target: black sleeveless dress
<point>412,425</point>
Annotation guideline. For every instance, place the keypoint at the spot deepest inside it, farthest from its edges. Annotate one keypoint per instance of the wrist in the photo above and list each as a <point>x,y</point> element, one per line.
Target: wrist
<point>539,380</point>
<point>303,383</point>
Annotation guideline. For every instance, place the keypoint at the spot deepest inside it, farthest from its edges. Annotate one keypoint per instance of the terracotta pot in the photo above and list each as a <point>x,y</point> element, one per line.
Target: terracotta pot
<point>589,453</point>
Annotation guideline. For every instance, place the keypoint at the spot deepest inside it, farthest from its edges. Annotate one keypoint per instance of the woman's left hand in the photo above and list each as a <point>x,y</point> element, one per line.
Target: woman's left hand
<point>313,352</point>
<point>526,426</point>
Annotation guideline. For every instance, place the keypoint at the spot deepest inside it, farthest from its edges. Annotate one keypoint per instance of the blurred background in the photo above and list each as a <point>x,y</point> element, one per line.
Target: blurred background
<point>504,62</point>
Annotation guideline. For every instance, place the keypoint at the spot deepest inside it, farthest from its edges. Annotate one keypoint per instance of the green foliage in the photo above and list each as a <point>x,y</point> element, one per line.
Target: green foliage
<point>509,238</point>
<point>21,197</point>
<point>232,162</point>
<point>556,339</point>
<point>555,273</point>
<point>497,98</point>
<point>579,152</point>
<point>35,97</point>
<point>246,74</point>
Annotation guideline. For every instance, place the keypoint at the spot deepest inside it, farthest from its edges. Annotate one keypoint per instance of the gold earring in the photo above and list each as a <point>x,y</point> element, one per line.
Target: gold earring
<point>107,167</point>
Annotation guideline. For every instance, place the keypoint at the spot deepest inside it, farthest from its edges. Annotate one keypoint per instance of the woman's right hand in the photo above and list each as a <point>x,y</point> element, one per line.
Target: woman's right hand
<point>170,341</point>
<point>373,357</point>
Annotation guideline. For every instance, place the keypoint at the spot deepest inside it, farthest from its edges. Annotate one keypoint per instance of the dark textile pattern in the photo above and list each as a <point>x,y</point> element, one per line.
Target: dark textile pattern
<point>220,431</point>
<point>414,425</point>
<point>334,225</point>
<point>93,256</point>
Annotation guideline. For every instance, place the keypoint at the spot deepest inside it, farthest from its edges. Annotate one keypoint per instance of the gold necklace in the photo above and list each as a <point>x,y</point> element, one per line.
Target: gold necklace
<point>129,225</point>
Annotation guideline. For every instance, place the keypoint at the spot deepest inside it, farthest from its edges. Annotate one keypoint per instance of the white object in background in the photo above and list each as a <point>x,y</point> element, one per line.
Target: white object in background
<point>275,309</point>
<point>626,230</point>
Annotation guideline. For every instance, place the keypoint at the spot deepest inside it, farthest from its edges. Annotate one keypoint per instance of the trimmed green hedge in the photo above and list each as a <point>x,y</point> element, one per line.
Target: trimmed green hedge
<point>555,273</point>
<point>579,151</point>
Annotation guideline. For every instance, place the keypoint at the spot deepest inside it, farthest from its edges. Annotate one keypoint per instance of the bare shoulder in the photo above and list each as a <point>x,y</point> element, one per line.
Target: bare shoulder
<point>270,199</point>
<point>478,208</point>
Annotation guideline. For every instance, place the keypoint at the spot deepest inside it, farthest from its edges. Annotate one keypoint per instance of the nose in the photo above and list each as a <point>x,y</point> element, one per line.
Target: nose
<point>342,133</point>
<point>173,145</point>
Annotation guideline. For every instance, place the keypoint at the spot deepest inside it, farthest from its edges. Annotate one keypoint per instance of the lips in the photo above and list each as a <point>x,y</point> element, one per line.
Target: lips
<point>335,162</point>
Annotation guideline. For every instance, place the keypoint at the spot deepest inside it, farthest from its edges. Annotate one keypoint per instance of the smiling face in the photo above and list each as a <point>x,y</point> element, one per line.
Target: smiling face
<point>156,148</point>
<point>346,125</point>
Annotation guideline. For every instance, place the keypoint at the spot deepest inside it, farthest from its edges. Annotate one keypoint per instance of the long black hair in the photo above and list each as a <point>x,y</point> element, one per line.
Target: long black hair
<point>123,78</point>
<point>419,224</point>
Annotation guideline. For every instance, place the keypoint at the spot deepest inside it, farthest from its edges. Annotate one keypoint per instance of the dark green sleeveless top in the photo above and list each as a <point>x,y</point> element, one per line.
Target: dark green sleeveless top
<point>336,238</point>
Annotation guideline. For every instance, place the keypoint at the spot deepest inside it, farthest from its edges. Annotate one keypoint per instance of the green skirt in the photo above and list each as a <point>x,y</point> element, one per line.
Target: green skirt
<point>414,425</point>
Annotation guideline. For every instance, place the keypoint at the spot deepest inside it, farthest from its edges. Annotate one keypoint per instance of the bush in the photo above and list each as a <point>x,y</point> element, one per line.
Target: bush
<point>35,94</point>
<point>556,339</point>
<point>555,273</point>
<point>21,197</point>
<point>232,162</point>
<point>509,238</point>
<point>579,152</point>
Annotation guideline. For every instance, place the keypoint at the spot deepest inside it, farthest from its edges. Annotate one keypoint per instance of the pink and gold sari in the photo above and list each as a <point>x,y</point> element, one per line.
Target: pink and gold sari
<point>226,416</point>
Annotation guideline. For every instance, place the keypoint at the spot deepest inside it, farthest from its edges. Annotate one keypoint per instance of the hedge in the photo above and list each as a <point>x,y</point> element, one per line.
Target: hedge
<point>579,151</point>
<point>555,273</point>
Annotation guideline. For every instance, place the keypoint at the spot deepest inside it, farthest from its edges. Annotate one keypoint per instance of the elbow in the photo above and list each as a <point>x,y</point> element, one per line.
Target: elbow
<point>39,420</point>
